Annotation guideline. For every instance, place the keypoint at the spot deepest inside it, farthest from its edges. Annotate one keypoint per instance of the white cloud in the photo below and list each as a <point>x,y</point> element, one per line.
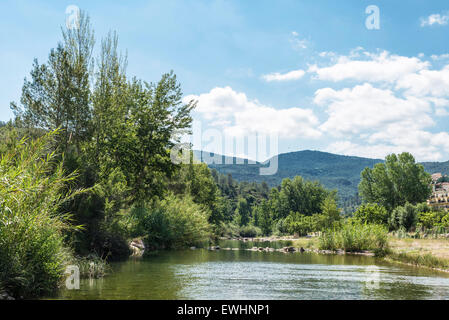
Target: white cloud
<point>426,82</point>
<point>237,115</point>
<point>365,108</point>
<point>292,75</point>
<point>426,150</point>
<point>440,57</point>
<point>374,67</point>
<point>438,19</point>
<point>382,123</point>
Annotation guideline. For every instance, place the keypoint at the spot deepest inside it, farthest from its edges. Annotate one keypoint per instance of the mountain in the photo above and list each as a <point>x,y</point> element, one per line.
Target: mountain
<point>332,170</point>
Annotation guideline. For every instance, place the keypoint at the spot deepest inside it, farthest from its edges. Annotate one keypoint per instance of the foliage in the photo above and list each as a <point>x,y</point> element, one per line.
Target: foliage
<point>33,187</point>
<point>242,212</point>
<point>250,231</point>
<point>403,217</point>
<point>372,213</point>
<point>174,222</point>
<point>91,266</point>
<point>355,236</point>
<point>394,183</point>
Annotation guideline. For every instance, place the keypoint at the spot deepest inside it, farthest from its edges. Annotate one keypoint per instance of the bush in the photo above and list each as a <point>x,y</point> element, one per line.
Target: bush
<point>431,219</point>
<point>250,231</point>
<point>174,222</point>
<point>280,227</point>
<point>405,217</point>
<point>33,187</point>
<point>372,213</point>
<point>230,230</point>
<point>355,236</point>
<point>301,225</point>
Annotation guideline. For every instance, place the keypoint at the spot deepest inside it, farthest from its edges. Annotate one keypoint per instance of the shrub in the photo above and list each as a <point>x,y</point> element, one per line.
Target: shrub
<point>372,213</point>
<point>280,227</point>
<point>229,229</point>
<point>431,219</point>
<point>250,231</point>
<point>406,217</point>
<point>33,187</point>
<point>355,236</point>
<point>301,225</point>
<point>174,222</point>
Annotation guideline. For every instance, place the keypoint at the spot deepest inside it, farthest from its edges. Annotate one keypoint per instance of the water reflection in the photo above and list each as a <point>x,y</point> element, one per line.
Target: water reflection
<point>241,274</point>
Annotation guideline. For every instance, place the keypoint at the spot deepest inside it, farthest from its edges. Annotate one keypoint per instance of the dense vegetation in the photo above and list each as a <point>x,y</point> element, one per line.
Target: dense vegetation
<point>333,171</point>
<point>85,167</point>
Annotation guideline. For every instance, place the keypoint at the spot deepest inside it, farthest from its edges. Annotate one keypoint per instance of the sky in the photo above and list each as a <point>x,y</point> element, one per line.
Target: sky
<point>334,76</point>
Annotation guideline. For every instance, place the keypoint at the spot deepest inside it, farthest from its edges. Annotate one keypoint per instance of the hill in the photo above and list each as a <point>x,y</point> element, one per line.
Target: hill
<point>332,170</point>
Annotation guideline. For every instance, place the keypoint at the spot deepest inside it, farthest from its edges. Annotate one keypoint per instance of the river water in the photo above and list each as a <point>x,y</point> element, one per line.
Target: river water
<point>241,274</point>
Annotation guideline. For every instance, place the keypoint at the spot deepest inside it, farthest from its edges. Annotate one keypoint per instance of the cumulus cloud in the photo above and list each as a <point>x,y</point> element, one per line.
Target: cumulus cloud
<point>391,109</point>
<point>382,103</point>
<point>427,150</point>
<point>365,108</point>
<point>426,82</point>
<point>374,67</point>
<point>438,19</point>
<point>292,75</point>
<point>237,115</point>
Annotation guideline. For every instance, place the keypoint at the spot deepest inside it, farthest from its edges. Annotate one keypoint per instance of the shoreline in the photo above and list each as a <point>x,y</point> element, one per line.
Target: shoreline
<point>423,256</point>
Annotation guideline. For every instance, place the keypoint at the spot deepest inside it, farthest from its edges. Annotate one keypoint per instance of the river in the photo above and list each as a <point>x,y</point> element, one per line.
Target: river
<point>242,274</point>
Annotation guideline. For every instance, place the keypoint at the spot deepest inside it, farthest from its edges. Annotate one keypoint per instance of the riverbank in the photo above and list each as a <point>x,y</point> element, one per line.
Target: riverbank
<point>428,253</point>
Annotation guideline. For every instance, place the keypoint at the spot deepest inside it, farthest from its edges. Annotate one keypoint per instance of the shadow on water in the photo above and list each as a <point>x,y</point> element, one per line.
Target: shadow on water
<point>242,274</point>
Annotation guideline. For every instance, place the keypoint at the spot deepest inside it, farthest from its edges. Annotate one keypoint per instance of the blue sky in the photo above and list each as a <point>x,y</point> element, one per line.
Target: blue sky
<point>309,72</point>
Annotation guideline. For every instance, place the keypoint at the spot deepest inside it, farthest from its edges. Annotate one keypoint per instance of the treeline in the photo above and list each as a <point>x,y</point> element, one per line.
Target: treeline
<point>296,207</point>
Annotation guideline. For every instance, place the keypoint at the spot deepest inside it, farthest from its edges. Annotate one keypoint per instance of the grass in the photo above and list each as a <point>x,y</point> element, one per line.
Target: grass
<point>432,253</point>
<point>421,260</point>
<point>355,237</point>
<point>33,187</point>
<point>91,266</point>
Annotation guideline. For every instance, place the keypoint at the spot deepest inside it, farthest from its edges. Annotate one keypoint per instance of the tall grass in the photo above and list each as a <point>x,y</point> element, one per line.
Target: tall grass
<point>426,260</point>
<point>355,236</point>
<point>91,266</point>
<point>33,187</point>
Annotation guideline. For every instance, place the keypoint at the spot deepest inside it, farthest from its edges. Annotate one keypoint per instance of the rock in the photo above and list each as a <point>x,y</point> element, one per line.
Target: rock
<point>192,248</point>
<point>5,296</point>
<point>137,247</point>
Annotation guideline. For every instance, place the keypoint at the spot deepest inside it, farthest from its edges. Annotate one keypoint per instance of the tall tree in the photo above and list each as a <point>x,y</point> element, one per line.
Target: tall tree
<point>58,94</point>
<point>394,183</point>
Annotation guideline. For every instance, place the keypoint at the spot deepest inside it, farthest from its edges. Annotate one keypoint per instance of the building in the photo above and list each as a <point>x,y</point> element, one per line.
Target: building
<point>440,193</point>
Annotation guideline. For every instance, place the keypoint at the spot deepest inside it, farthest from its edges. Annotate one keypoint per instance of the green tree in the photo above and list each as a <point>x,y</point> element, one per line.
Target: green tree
<point>397,181</point>
<point>242,212</point>
<point>264,219</point>
<point>404,217</point>
<point>372,213</point>
<point>58,94</point>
